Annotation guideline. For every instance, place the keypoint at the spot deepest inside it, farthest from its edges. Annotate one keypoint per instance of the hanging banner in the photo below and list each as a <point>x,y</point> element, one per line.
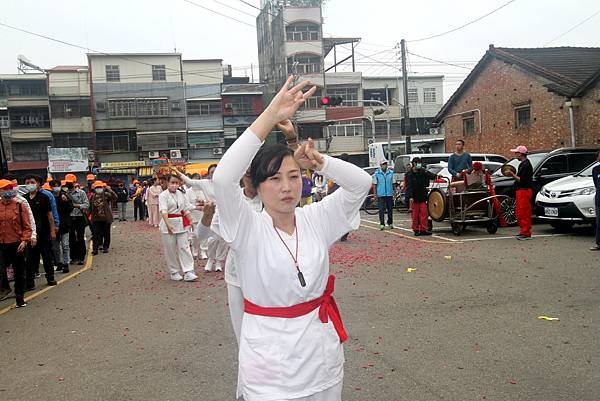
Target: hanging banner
<point>67,160</point>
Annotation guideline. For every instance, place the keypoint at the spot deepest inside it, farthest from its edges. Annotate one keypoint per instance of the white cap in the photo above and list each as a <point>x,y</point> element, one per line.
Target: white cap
<point>383,161</point>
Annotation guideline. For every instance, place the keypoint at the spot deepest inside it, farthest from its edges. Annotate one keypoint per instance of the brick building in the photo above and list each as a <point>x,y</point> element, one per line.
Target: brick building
<point>544,98</point>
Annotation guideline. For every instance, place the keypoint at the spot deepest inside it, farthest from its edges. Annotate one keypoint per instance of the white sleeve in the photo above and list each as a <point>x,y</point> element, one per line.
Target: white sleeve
<point>203,233</point>
<point>338,213</point>
<point>235,214</point>
<point>200,185</point>
<point>163,205</point>
<point>187,205</point>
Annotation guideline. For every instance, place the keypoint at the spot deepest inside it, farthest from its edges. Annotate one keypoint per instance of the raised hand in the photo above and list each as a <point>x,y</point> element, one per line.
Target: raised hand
<point>308,157</point>
<point>289,98</point>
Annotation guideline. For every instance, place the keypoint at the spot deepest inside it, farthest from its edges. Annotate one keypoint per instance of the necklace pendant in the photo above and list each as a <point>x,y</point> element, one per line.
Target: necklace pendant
<point>301,278</point>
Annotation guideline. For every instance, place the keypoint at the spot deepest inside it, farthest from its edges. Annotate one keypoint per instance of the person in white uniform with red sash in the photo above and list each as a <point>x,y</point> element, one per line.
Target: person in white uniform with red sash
<point>292,334</point>
<point>174,231</point>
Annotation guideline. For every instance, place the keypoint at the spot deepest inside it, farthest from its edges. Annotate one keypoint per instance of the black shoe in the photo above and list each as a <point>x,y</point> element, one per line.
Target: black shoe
<point>94,252</point>
<point>417,233</point>
<point>37,275</point>
<point>65,270</point>
<point>52,282</point>
<point>105,250</point>
<point>59,268</point>
<point>426,233</point>
<point>80,262</point>
<point>21,302</point>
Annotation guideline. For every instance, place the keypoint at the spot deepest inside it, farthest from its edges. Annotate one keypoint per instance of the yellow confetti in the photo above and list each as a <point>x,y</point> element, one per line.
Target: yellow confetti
<point>547,318</point>
<point>410,269</point>
<point>448,257</point>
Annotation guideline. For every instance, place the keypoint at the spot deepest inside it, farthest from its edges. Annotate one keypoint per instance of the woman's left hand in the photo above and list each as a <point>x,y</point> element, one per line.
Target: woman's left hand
<point>287,101</point>
<point>308,157</point>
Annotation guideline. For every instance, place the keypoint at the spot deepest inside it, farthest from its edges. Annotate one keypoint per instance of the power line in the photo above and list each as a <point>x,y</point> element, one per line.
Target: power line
<point>251,5</point>
<point>219,13</point>
<point>464,25</point>
<point>234,8</point>
<point>573,27</point>
<point>439,61</point>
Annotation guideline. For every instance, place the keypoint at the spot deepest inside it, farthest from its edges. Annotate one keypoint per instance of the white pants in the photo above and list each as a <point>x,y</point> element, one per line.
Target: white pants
<point>236,309</point>
<point>217,249</point>
<point>177,252</point>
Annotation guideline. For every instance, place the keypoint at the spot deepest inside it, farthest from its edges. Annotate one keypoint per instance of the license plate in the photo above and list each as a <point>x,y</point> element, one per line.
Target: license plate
<point>551,211</point>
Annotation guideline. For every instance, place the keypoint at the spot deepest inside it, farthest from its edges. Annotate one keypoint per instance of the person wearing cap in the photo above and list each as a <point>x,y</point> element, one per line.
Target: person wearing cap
<point>101,216</point>
<point>523,191</point>
<point>138,205</point>
<point>15,234</point>
<point>383,190</point>
<point>46,232</point>
<point>79,221</point>
<point>90,178</point>
<point>420,179</point>
<point>60,246</point>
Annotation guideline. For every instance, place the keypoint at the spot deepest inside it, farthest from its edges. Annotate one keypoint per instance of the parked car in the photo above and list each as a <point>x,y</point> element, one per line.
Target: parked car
<point>547,167</point>
<point>568,200</point>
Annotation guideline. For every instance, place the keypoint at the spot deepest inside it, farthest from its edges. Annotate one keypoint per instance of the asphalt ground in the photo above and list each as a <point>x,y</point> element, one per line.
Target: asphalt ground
<point>429,318</point>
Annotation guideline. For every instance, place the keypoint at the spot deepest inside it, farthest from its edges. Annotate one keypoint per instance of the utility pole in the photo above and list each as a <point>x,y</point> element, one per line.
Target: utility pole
<point>406,119</point>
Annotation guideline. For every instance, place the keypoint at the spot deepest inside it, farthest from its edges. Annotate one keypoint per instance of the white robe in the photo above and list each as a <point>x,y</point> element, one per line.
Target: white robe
<point>285,358</point>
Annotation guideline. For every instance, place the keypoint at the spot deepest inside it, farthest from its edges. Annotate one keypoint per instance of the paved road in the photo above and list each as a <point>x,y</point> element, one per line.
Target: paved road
<point>462,326</point>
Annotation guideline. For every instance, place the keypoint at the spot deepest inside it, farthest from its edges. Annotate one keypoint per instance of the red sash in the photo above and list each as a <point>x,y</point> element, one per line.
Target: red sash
<point>327,309</point>
<point>186,221</point>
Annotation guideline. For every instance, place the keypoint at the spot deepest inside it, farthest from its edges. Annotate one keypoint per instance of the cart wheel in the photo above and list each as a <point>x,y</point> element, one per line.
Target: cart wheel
<point>429,225</point>
<point>492,227</point>
<point>457,228</point>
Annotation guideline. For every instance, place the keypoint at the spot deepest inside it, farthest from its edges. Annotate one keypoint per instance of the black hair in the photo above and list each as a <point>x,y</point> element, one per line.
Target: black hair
<point>168,177</point>
<point>267,162</point>
<point>211,166</point>
<point>54,183</point>
<point>416,160</point>
<point>34,177</point>
<point>461,141</point>
<point>195,176</point>
<point>9,176</point>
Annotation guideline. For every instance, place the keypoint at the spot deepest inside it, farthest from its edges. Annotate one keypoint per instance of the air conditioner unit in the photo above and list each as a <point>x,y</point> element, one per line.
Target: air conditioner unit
<point>175,106</point>
<point>229,105</point>
<point>217,151</point>
<point>153,155</point>
<point>175,154</point>
<point>101,106</point>
<point>433,131</point>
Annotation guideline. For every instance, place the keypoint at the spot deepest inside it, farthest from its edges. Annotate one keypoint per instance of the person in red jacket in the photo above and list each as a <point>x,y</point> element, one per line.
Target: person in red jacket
<point>15,234</point>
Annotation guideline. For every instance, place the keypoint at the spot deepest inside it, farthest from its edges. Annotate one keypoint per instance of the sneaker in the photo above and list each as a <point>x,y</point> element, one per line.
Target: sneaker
<point>381,227</point>
<point>209,265</point>
<point>219,266</point>
<point>21,302</point>
<point>105,251</point>
<point>176,277</point>
<point>203,255</point>
<point>52,282</point>
<point>521,237</point>
<point>595,248</point>
<point>58,268</point>
<point>190,276</point>
<point>426,233</point>
<point>417,233</point>
<point>38,275</point>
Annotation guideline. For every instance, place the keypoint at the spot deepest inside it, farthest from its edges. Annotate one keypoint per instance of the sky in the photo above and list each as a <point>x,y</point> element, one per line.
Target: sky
<point>161,26</point>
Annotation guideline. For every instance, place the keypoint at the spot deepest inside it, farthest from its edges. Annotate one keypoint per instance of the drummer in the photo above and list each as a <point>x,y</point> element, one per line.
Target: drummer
<point>459,161</point>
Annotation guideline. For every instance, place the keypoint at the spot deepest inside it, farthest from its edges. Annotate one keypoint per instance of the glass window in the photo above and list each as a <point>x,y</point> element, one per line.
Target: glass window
<point>302,32</point>
<point>29,117</point>
<point>307,64</point>
<point>121,108</point>
<point>81,140</point>
<point>555,165</point>
<point>522,116</point>
<point>239,105</point>
<point>152,108</point>
<point>349,94</point>
<point>204,108</point>
<point>413,95</point>
<point>469,125</point>
<point>30,151</point>
<point>579,161</point>
<point>116,141</point>
<point>429,95</point>
<point>112,73</point>
<point>159,73</point>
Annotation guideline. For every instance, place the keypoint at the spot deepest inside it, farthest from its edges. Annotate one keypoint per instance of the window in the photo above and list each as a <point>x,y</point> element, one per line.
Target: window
<point>204,108</point>
<point>116,141</point>
<point>579,161</point>
<point>162,141</point>
<point>302,32</point>
<point>522,116</point>
<point>30,151</point>
<point>375,94</point>
<point>37,88</point>
<point>349,94</point>
<point>413,95</point>
<point>82,140</point>
<point>307,64</point>
<point>159,73</point>
<point>239,105</point>
<point>29,118</point>
<point>152,108</point>
<point>428,95</point>
<point>112,73</point>
<point>313,102</point>
<point>70,108</point>
<point>469,125</point>
<point>121,108</point>
<point>555,165</point>
<point>310,130</point>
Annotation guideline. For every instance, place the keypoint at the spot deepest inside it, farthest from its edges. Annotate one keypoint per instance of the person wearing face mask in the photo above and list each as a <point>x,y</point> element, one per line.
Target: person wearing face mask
<point>81,204</point>
<point>15,234</point>
<point>101,216</point>
<point>419,183</point>
<point>383,189</point>
<point>122,199</point>
<point>60,246</point>
<point>174,231</point>
<point>46,232</point>
<point>4,283</point>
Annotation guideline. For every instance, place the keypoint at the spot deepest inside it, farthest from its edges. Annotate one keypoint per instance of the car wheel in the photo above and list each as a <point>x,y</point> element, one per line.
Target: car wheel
<point>508,208</point>
<point>562,226</point>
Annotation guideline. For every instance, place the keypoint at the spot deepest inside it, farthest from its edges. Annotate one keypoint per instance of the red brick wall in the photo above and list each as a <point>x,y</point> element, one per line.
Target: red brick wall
<point>495,91</point>
<point>587,118</point>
